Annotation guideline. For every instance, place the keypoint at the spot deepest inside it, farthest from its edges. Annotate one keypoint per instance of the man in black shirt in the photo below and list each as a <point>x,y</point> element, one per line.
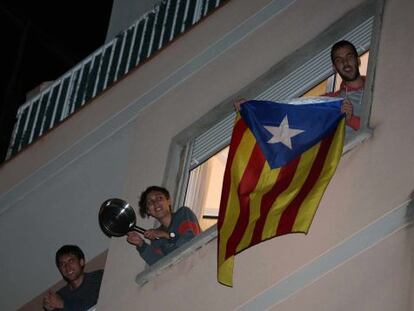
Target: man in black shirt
<point>82,289</point>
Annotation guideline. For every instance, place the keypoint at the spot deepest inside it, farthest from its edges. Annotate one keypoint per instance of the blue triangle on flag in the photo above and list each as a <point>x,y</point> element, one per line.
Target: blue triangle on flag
<point>286,130</point>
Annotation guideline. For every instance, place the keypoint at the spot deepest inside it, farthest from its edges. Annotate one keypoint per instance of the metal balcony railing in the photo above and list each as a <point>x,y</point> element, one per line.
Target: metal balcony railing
<point>105,66</point>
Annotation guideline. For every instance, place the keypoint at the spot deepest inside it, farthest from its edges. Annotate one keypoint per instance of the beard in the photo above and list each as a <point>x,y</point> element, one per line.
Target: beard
<point>349,76</point>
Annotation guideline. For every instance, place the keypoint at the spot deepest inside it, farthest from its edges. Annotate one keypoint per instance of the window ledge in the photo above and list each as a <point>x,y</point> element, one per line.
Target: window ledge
<point>357,139</point>
<point>176,256</point>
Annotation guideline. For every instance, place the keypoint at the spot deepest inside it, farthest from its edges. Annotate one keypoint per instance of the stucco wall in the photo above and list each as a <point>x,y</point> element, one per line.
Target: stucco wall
<point>378,279</point>
<point>103,159</point>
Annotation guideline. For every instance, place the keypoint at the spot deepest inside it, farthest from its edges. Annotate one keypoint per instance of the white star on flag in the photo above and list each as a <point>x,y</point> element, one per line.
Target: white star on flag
<point>282,133</point>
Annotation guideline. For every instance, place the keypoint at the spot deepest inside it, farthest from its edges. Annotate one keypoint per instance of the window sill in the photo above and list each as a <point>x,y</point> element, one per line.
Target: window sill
<point>356,139</point>
<point>176,256</point>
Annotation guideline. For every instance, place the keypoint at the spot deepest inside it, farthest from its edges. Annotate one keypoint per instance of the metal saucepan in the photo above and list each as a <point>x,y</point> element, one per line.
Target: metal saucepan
<point>117,218</point>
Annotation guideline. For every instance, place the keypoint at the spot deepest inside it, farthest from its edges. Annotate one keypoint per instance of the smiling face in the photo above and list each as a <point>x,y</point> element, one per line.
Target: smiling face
<point>158,206</point>
<point>346,63</point>
<point>71,268</point>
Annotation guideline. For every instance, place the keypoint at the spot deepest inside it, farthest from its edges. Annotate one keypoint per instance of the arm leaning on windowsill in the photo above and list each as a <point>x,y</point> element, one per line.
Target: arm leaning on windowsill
<point>150,253</point>
<point>184,227</point>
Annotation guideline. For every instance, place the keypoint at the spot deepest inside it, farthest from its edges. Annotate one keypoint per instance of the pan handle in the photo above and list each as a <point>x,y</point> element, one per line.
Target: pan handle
<point>138,229</point>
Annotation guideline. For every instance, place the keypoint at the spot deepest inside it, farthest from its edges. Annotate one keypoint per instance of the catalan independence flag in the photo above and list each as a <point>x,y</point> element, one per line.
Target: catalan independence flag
<point>281,159</point>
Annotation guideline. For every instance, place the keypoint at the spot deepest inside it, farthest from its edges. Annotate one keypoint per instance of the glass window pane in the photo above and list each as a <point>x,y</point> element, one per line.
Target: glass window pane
<point>204,188</point>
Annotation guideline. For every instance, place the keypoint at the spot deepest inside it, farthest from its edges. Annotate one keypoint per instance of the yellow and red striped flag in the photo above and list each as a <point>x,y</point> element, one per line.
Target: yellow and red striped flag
<point>281,159</point>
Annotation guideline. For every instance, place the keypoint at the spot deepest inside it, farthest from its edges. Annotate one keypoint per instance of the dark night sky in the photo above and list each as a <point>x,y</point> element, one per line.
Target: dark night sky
<point>41,40</point>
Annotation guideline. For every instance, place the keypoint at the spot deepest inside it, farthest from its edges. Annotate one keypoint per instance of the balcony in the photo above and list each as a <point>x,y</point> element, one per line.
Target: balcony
<point>131,48</point>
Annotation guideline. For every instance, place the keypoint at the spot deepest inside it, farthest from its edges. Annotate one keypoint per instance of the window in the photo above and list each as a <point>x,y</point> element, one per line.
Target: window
<point>204,188</point>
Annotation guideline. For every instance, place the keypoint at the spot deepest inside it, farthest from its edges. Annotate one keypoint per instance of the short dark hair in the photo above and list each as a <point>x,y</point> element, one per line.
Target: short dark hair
<point>69,249</point>
<point>143,199</point>
<point>341,44</point>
